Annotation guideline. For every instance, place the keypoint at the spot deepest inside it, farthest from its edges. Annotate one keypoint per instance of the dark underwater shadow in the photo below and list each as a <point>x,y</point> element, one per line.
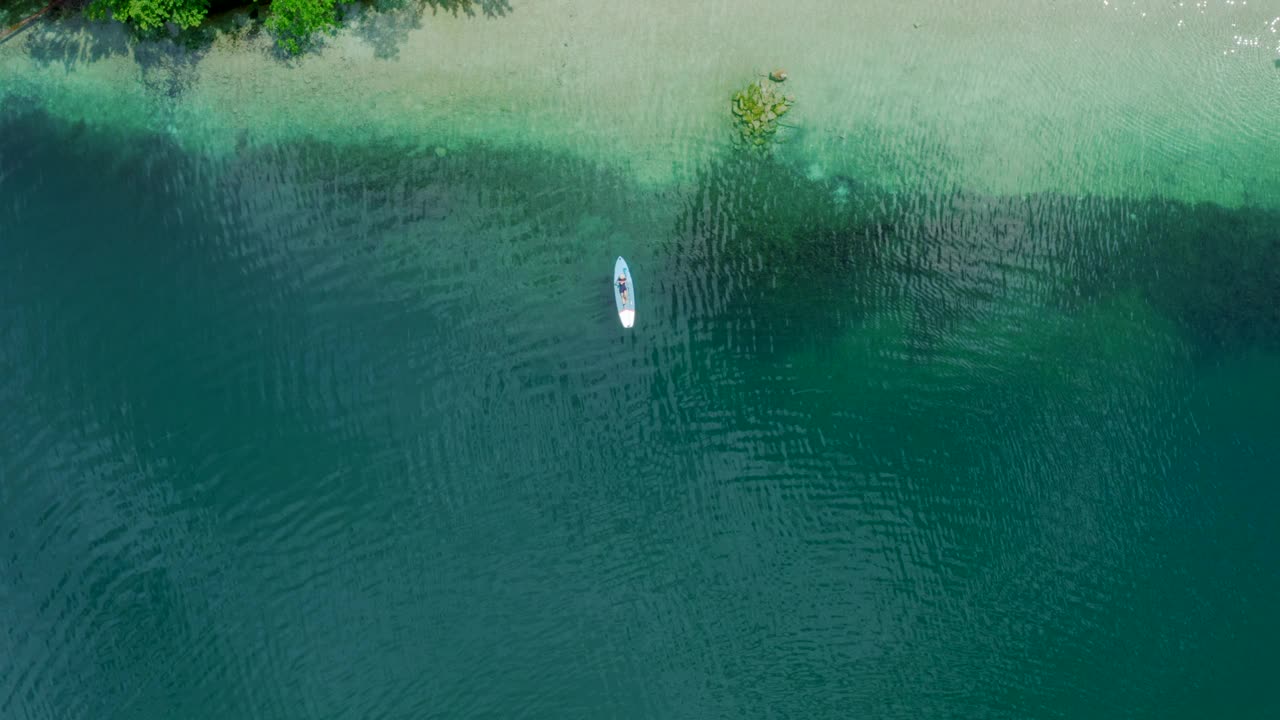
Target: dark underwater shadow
<point>1214,270</point>
<point>784,262</point>
<point>171,68</point>
<point>491,8</point>
<point>184,241</point>
<point>777,252</point>
<point>790,250</point>
<point>76,42</point>
<point>168,62</point>
<point>768,264</point>
<point>387,23</point>
<point>387,27</point>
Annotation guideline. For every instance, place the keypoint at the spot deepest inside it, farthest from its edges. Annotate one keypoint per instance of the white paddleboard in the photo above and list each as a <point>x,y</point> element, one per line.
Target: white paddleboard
<point>626,309</point>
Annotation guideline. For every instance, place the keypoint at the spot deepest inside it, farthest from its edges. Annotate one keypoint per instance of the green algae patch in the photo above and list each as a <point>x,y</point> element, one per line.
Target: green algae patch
<point>757,110</point>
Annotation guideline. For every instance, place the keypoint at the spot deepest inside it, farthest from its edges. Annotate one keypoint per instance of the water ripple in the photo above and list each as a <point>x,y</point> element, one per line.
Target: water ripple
<point>354,432</point>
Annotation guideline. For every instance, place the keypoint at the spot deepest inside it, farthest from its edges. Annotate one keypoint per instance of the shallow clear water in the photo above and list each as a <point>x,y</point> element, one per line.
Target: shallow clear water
<point>331,416</point>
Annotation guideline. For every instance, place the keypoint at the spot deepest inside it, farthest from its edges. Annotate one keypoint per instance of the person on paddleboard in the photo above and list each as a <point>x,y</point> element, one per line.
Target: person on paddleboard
<point>622,287</point>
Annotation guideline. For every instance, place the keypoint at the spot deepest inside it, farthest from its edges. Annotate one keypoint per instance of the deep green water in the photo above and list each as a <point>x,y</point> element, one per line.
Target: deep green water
<point>353,432</point>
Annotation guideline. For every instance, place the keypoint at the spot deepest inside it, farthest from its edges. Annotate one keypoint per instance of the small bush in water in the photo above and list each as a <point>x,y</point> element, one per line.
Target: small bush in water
<point>756,110</point>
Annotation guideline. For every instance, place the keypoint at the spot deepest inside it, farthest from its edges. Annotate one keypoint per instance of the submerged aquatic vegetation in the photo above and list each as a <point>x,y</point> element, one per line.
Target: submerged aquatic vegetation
<point>756,110</point>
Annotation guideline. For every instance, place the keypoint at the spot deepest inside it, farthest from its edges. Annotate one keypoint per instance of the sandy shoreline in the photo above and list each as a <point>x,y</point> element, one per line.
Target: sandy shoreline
<point>1090,99</point>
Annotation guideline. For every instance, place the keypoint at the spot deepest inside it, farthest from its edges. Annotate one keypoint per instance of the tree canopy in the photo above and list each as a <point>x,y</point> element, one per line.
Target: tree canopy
<point>150,14</point>
<point>293,22</point>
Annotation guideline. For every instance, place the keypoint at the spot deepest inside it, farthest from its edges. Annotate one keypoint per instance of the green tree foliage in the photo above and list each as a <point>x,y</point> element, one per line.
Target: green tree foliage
<point>293,22</point>
<point>150,14</point>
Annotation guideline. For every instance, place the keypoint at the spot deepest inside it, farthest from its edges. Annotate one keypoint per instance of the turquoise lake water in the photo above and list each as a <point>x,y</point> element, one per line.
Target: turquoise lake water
<point>304,425</point>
